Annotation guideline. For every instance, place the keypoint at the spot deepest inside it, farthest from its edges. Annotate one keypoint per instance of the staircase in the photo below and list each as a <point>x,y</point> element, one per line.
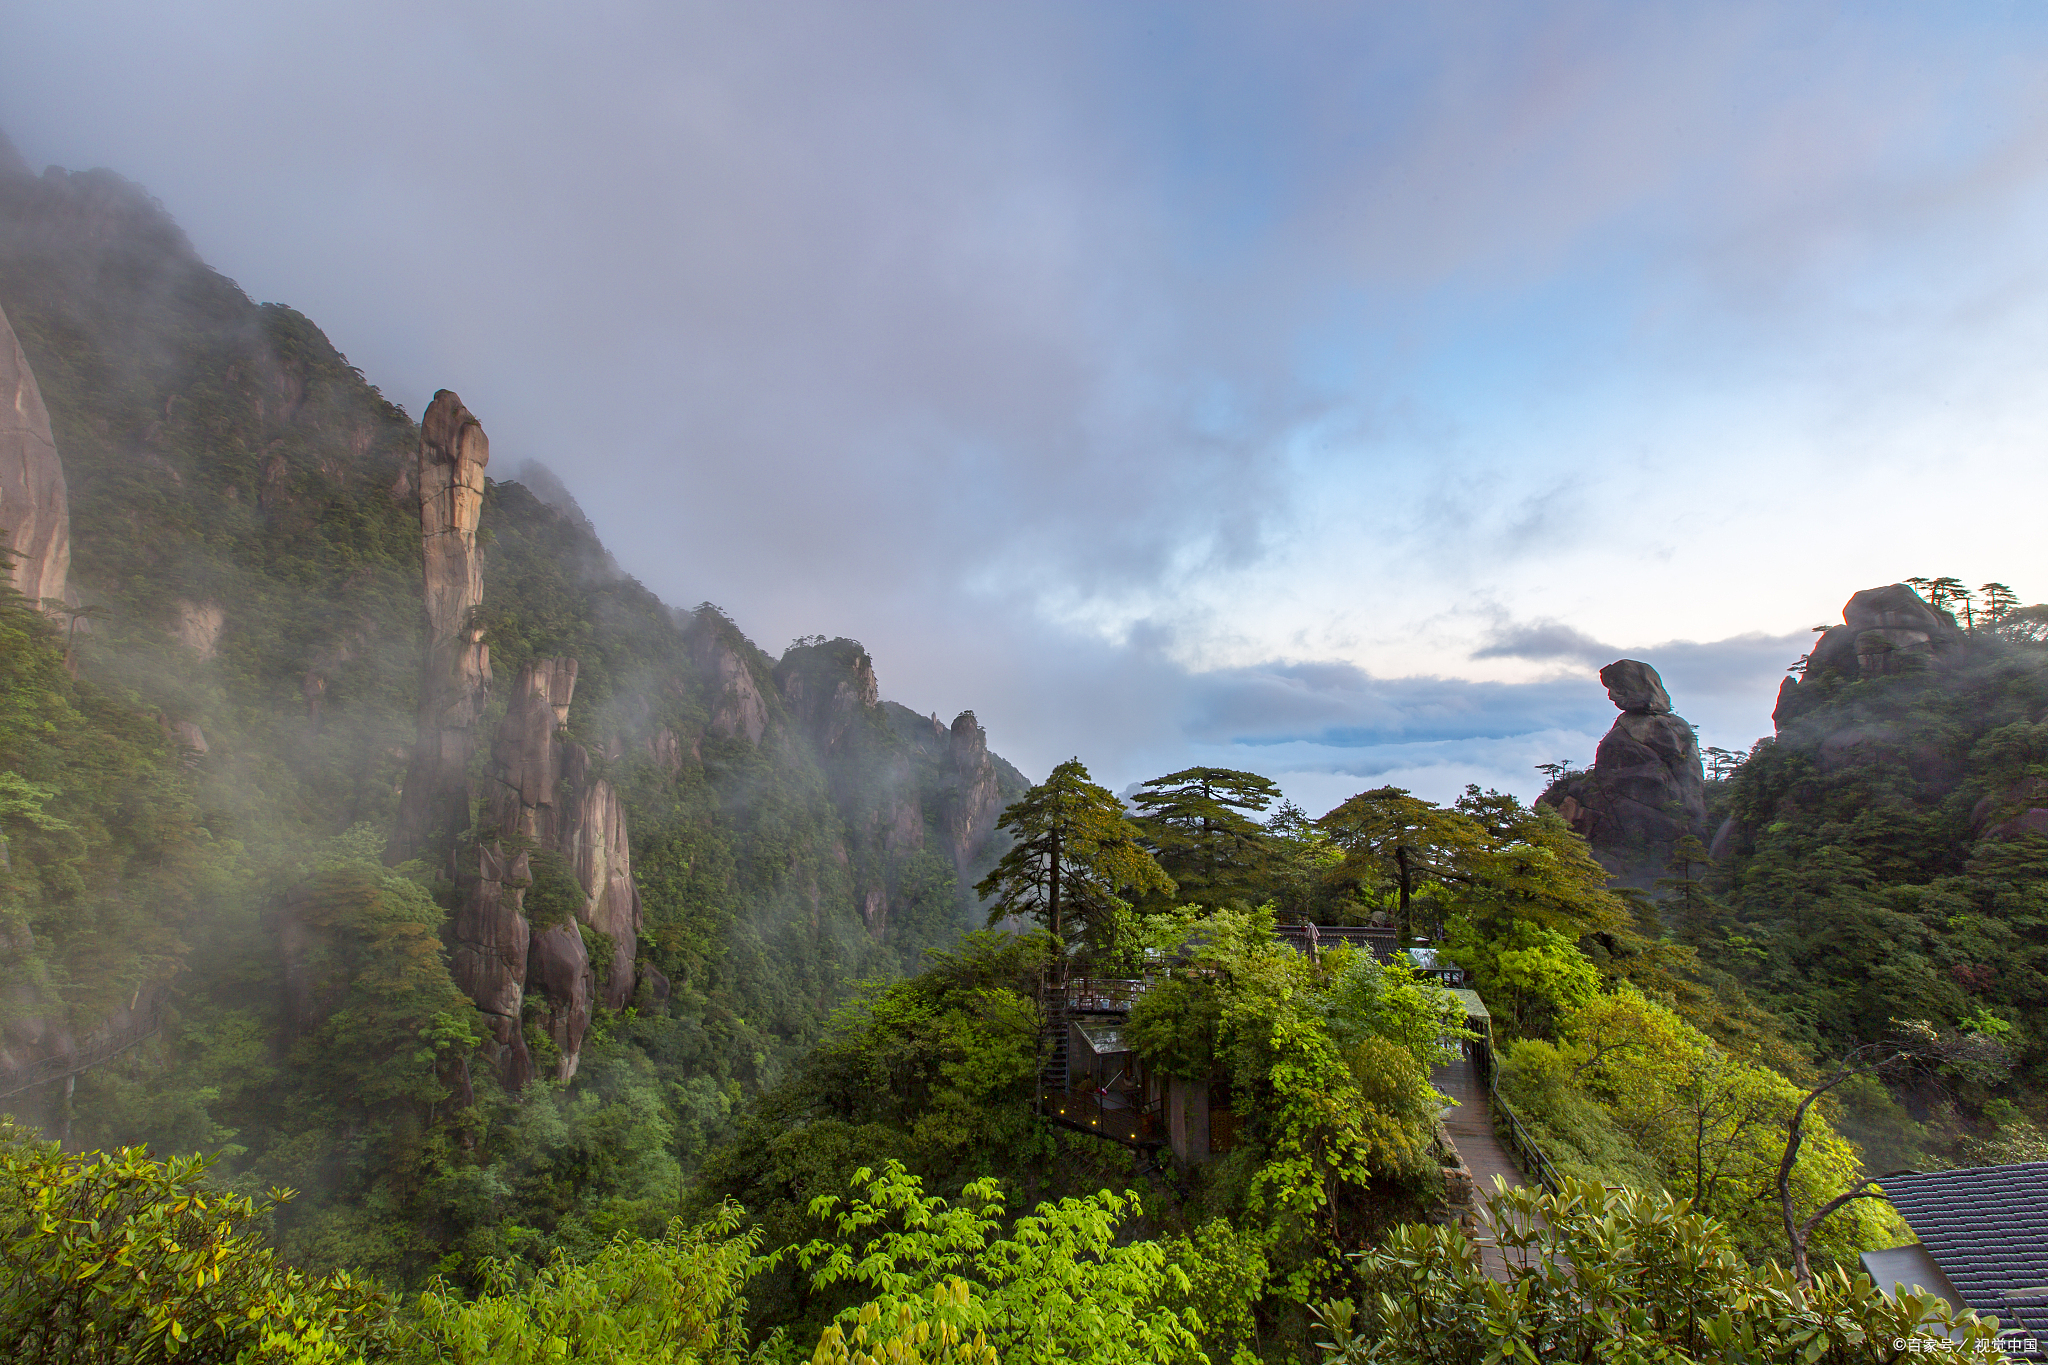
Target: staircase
<point>1053,1070</point>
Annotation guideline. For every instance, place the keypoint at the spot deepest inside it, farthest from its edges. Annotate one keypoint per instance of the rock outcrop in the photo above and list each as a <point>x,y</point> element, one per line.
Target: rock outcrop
<point>1886,630</point>
<point>737,706</point>
<point>35,517</point>
<point>1646,789</point>
<point>829,688</point>
<point>513,942</point>
<point>434,809</point>
<point>488,944</point>
<point>972,797</point>
<point>198,626</point>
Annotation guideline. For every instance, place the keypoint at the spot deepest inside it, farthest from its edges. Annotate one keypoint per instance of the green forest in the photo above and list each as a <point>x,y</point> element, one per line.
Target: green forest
<point>829,1133</point>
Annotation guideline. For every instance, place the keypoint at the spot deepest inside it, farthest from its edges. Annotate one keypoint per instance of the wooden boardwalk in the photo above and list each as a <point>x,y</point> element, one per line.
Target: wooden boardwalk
<point>1471,1128</point>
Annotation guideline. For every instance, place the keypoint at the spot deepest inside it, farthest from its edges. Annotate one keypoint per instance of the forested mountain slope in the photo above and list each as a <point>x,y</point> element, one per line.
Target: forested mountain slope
<point>1881,857</point>
<point>226,768</point>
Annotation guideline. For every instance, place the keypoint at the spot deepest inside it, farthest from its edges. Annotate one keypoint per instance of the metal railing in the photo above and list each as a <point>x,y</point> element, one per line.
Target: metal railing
<point>1086,1110</point>
<point>1521,1143</point>
<point>1095,994</point>
<point>64,1064</point>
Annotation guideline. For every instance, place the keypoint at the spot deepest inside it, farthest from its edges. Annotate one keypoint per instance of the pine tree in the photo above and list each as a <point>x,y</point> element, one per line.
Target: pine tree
<point>1077,863</point>
<point>1196,825</point>
<point>1391,838</point>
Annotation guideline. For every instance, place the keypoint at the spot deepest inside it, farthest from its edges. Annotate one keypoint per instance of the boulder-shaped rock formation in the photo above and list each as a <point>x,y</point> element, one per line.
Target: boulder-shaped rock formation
<point>434,808</point>
<point>35,516</point>
<point>1646,789</point>
<point>1883,628</point>
<point>556,831</point>
<point>1635,688</point>
<point>1884,631</point>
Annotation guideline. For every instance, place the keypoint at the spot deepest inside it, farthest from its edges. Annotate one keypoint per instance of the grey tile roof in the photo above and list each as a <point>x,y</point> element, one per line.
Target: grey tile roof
<point>1987,1228</point>
<point>1382,942</point>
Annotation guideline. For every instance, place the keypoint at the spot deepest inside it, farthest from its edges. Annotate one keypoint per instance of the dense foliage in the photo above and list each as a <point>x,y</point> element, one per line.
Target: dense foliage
<point>120,1258</point>
<point>1876,869</point>
<point>1596,1274</point>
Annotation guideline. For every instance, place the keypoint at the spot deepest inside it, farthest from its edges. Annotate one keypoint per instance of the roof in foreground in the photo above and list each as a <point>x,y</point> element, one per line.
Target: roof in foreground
<point>1475,1008</point>
<point>1987,1228</point>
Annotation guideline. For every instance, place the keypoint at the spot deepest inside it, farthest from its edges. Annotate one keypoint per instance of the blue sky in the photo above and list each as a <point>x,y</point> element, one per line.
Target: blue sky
<point>1321,389</point>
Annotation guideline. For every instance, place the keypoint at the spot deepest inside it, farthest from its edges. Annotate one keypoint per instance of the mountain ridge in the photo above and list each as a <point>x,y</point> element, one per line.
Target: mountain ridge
<point>244,509</point>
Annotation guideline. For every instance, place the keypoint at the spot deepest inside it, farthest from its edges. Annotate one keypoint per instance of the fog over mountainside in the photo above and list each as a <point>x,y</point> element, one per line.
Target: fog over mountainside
<point>367,830</point>
<point>242,635</point>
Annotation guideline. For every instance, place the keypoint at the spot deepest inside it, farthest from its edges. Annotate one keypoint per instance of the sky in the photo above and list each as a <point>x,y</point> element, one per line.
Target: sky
<point>1326,390</point>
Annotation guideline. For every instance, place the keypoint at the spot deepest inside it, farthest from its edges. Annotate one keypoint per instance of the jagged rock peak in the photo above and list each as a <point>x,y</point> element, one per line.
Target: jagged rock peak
<point>456,674</point>
<point>35,515</point>
<point>827,685</point>
<point>718,650</point>
<point>1633,686</point>
<point>453,454</point>
<point>973,797</point>
<point>525,757</point>
<point>546,797</point>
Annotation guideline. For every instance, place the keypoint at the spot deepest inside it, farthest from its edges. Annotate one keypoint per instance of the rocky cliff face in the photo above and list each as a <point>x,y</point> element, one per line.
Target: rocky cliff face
<point>737,706</point>
<point>243,505</point>
<point>35,515</point>
<point>453,452</point>
<point>829,689</point>
<point>973,794</point>
<point>513,942</point>
<point>1645,790</point>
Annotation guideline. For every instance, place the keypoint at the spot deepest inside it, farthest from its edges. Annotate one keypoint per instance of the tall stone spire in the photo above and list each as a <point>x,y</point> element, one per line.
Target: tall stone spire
<point>434,807</point>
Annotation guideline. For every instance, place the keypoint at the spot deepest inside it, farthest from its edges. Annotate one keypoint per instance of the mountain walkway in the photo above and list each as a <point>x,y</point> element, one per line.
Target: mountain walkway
<point>1471,1130</point>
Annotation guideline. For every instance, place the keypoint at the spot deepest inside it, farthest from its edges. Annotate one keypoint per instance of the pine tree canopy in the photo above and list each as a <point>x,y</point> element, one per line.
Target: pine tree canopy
<point>1077,864</point>
<point>1196,825</point>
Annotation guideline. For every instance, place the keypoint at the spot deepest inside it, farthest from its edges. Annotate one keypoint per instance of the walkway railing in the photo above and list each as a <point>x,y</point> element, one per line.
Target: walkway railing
<point>1088,1111</point>
<point>1102,995</point>
<point>56,1068</point>
<point>1522,1144</point>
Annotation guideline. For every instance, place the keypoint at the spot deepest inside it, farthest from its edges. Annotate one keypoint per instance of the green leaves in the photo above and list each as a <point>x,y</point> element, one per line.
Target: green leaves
<point>1610,1275</point>
<point>110,1257</point>
<point>1063,1286</point>
<point>678,1299</point>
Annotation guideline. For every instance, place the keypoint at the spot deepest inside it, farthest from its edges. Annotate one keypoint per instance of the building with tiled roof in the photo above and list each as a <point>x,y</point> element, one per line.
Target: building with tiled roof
<point>1985,1229</point>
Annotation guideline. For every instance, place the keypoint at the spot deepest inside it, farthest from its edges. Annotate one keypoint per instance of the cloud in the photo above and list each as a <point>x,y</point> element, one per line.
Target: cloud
<point>1544,640</point>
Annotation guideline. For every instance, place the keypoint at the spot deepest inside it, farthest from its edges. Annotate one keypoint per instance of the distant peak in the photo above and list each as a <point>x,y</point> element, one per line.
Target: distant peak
<point>11,162</point>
